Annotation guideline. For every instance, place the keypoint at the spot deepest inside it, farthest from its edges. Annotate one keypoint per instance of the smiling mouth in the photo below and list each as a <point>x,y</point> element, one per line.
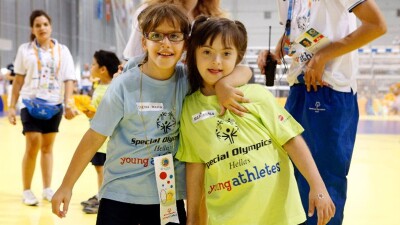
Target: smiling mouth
<point>165,54</point>
<point>214,70</point>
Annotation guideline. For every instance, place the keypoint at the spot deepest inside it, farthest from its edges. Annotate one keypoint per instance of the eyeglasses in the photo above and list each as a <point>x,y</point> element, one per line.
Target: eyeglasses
<point>158,37</point>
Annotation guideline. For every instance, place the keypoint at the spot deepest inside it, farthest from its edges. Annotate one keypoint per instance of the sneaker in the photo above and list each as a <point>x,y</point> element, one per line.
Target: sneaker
<point>93,201</point>
<point>48,194</point>
<point>28,198</point>
<point>91,209</point>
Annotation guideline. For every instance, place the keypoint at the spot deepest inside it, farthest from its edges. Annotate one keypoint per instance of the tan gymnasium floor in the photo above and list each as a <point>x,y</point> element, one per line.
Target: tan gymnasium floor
<point>374,179</point>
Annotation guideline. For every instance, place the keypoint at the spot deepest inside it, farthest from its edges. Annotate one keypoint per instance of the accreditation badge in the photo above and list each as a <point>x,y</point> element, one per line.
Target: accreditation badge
<point>165,177</point>
<point>312,40</point>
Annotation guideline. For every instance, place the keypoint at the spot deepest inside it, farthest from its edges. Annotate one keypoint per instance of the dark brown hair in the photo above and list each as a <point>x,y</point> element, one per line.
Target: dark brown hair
<point>34,14</point>
<point>207,29</point>
<point>107,59</point>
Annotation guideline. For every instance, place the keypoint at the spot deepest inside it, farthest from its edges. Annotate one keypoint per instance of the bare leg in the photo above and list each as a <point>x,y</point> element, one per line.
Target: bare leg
<point>99,171</point>
<point>33,142</point>
<point>46,159</point>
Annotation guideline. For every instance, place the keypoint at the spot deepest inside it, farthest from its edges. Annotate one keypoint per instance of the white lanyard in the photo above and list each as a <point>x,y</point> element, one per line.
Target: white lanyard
<point>164,170</point>
<point>38,54</point>
<point>287,41</point>
<point>165,177</point>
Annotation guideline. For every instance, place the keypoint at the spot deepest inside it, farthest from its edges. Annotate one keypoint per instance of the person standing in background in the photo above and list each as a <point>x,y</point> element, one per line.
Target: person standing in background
<point>322,80</point>
<point>193,8</point>
<point>104,65</point>
<point>3,87</point>
<point>86,81</point>
<point>10,76</point>
<point>44,69</point>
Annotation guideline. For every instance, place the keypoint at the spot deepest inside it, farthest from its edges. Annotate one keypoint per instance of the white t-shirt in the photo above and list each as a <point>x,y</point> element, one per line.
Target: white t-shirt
<point>133,47</point>
<point>334,20</point>
<point>85,78</point>
<point>46,85</point>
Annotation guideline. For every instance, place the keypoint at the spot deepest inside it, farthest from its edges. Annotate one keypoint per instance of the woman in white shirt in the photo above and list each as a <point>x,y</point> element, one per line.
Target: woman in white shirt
<point>44,72</point>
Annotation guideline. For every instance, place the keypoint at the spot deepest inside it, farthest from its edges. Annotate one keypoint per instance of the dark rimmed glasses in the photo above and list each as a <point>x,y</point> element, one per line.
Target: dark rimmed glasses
<point>158,37</point>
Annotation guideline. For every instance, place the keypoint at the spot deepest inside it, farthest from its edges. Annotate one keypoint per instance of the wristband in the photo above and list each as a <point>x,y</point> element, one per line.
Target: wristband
<point>69,103</point>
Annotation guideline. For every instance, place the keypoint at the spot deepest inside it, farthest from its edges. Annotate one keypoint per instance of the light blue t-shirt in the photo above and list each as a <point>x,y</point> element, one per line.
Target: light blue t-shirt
<point>136,136</point>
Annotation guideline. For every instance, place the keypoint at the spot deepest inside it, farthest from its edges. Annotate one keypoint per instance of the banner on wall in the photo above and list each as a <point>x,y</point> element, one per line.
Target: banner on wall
<point>108,11</point>
<point>99,9</point>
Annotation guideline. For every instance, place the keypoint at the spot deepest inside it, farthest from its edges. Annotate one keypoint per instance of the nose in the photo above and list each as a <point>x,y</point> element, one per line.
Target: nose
<point>217,59</point>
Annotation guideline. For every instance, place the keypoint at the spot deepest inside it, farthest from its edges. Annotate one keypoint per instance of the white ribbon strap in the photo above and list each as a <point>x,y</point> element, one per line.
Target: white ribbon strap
<point>165,177</point>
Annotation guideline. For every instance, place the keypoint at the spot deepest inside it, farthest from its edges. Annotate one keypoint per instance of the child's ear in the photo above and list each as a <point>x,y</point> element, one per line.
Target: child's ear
<point>103,69</point>
<point>144,47</point>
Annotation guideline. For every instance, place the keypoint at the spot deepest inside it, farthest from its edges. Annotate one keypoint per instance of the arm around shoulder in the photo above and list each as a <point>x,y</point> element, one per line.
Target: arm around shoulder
<point>229,97</point>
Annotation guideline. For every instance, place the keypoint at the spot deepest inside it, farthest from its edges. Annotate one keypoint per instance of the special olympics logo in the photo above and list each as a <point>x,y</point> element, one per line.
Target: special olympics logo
<point>166,122</point>
<point>227,130</point>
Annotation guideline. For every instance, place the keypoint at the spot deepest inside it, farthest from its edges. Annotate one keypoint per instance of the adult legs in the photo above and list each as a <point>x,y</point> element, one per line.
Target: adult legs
<point>330,121</point>
<point>46,159</point>
<point>33,143</point>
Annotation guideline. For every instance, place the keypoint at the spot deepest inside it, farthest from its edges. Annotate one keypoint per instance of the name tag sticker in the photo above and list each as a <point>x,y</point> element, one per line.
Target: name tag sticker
<point>203,115</point>
<point>149,106</point>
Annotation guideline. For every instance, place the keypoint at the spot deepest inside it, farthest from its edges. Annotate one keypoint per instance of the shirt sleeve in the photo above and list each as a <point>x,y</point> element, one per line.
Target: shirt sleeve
<point>283,7</point>
<point>133,47</point>
<point>351,4</point>
<point>19,67</point>
<point>111,109</point>
<point>133,62</point>
<point>280,124</point>
<point>67,64</point>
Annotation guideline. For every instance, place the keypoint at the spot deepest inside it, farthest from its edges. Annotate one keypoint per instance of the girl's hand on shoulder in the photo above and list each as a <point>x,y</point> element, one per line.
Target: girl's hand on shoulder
<point>324,205</point>
<point>230,98</point>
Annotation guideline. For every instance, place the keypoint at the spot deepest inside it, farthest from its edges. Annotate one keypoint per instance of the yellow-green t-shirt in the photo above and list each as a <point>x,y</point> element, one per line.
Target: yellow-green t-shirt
<point>249,177</point>
<point>96,99</point>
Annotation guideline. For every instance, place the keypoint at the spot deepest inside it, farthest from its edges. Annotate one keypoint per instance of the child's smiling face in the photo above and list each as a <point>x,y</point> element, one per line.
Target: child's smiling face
<point>215,61</point>
<point>163,55</point>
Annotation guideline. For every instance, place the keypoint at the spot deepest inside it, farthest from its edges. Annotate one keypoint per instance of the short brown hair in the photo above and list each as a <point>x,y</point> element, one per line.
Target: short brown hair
<point>155,14</point>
